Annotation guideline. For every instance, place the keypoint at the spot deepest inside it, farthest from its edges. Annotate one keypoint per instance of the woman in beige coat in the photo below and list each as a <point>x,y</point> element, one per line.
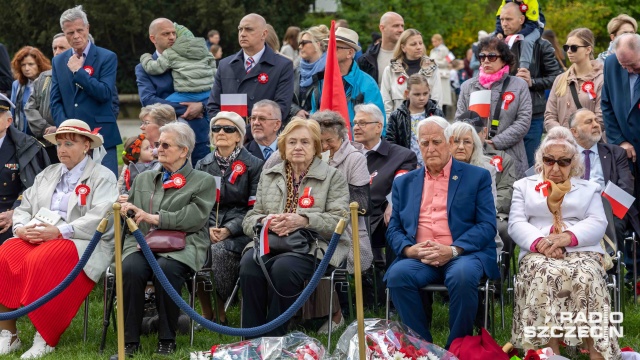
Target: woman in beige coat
<point>53,226</point>
<point>301,192</point>
<point>585,76</point>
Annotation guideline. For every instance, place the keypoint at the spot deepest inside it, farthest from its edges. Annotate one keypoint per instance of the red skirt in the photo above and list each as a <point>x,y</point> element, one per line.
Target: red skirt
<point>30,271</point>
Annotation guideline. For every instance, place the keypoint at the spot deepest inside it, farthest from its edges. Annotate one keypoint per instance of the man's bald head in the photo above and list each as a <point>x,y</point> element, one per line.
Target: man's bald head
<point>252,32</point>
<point>511,19</point>
<point>391,27</point>
<point>156,24</point>
<point>162,33</point>
<point>627,49</point>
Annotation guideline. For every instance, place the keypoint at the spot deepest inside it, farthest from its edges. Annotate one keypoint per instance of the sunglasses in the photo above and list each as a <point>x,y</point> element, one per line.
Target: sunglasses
<point>228,129</point>
<point>304,42</point>
<point>490,57</point>
<point>163,145</point>
<point>573,48</point>
<point>561,162</point>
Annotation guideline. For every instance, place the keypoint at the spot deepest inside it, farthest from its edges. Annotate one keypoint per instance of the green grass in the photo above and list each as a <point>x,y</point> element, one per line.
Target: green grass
<point>71,345</point>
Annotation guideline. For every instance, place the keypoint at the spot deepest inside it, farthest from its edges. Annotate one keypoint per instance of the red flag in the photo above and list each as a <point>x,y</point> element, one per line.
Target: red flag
<point>333,96</point>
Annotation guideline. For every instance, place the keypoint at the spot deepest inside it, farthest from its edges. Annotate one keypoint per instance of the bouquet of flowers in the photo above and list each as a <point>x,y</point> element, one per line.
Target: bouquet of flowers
<point>294,346</point>
<point>388,340</point>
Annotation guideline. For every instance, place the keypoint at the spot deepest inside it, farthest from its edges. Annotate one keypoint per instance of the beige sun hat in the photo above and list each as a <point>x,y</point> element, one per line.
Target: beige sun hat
<point>75,126</point>
<point>347,36</point>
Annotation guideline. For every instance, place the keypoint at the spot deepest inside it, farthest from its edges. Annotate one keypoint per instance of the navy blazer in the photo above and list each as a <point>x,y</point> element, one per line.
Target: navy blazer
<point>471,213</point>
<point>619,112</point>
<point>87,97</point>
<point>154,89</point>
<point>231,78</point>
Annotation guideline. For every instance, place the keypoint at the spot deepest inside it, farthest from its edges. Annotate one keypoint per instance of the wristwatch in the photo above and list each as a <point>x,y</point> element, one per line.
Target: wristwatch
<point>454,252</point>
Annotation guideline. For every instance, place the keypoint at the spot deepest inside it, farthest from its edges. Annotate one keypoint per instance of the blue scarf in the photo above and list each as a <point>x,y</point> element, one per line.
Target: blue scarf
<point>307,70</point>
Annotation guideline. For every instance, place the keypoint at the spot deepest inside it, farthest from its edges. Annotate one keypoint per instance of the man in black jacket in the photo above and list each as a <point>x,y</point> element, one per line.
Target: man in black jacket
<point>379,56</point>
<point>21,159</point>
<point>540,76</point>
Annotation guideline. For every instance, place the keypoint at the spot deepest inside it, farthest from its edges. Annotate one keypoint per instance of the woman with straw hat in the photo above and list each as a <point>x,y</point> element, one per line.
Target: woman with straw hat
<point>53,226</point>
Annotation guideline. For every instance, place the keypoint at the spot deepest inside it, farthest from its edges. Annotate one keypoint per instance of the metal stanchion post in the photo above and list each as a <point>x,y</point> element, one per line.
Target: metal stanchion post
<point>119,290</point>
<point>358,277</point>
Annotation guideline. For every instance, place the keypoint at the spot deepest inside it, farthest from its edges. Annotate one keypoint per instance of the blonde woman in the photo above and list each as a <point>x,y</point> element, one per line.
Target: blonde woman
<point>312,51</point>
<point>409,57</point>
<point>583,79</point>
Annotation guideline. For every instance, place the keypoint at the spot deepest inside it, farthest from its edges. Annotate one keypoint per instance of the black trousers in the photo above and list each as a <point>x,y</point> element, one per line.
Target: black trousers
<point>260,303</point>
<point>136,272</point>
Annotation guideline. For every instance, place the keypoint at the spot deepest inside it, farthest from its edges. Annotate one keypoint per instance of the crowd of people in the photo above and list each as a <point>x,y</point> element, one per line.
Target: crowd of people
<point>441,199</point>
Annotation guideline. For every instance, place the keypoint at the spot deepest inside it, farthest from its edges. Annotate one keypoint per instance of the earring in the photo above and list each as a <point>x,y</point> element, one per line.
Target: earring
<point>85,152</point>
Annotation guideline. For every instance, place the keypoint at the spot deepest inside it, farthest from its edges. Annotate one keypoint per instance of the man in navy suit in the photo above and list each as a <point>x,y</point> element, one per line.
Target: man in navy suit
<point>442,229</point>
<point>155,88</point>
<point>256,70</point>
<point>621,98</point>
<point>83,82</point>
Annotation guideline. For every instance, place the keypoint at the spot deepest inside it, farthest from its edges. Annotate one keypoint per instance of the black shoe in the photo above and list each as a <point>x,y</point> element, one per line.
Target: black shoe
<point>166,347</point>
<point>130,349</point>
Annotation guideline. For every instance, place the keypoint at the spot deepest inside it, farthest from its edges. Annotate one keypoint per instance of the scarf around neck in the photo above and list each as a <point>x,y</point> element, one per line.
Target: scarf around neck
<point>554,203</point>
<point>486,80</point>
<point>225,162</point>
<point>307,70</point>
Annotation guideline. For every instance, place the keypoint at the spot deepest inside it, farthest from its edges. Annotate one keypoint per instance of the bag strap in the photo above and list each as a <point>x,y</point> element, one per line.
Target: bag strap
<point>495,122</point>
<point>610,242</point>
<point>574,94</point>
<point>259,261</point>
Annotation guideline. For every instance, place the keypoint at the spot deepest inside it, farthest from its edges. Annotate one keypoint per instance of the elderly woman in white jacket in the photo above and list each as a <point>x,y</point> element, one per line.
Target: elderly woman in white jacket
<point>409,57</point>
<point>558,220</point>
<point>53,225</point>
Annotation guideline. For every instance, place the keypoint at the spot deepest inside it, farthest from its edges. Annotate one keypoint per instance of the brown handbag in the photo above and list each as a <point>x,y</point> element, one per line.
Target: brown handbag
<point>164,241</point>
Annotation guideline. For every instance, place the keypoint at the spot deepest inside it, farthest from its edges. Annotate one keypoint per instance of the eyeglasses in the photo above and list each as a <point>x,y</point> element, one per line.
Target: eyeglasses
<point>145,122</point>
<point>260,118</point>
<point>304,42</point>
<point>573,48</point>
<point>466,143</point>
<point>363,123</point>
<point>343,47</point>
<point>163,145</point>
<point>561,162</point>
<point>228,129</point>
<point>491,57</point>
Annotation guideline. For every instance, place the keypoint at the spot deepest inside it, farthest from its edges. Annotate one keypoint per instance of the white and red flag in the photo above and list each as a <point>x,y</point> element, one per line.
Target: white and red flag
<point>264,237</point>
<point>480,102</point>
<point>234,102</point>
<point>218,183</point>
<point>620,200</point>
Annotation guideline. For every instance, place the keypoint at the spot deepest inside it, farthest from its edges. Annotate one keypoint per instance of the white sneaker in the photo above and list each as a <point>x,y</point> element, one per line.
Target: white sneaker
<point>6,346</point>
<point>324,329</point>
<point>39,348</point>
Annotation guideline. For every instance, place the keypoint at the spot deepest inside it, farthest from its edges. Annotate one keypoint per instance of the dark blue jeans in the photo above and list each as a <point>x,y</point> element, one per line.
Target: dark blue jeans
<point>532,139</point>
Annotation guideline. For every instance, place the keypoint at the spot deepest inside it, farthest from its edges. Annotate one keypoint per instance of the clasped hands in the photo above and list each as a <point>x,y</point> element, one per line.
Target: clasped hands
<point>429,253</point>
<point>552,245</point>
<point>38,233</point>
<point>285,224</point>
<point>140,215</point>
<point>218,234</point>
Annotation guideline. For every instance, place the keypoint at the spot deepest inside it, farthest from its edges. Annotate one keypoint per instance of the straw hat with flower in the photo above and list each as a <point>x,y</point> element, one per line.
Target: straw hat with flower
<point>75,126</point>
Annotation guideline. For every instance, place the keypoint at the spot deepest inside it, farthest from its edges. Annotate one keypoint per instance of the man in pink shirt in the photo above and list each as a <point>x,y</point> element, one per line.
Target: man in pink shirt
<point>442,229</point>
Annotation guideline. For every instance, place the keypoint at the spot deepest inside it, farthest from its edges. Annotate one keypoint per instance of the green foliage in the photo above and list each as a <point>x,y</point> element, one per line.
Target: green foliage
<point>122,25</point>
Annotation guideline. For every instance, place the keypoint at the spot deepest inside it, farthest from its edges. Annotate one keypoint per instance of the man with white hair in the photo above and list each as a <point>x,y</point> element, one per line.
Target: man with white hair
<point>604,163</point>
<point>442,229</point>
<point>379,56</point>
<point>386,162</point>
<point>83,82</point>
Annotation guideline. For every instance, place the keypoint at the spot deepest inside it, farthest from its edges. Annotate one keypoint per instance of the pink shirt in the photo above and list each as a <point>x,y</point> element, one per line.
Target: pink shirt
<point>432,221</point>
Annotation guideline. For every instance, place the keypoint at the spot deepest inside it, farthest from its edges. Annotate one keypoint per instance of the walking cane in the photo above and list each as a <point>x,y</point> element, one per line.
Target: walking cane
<point>358,276</point>
<point>119,290</point>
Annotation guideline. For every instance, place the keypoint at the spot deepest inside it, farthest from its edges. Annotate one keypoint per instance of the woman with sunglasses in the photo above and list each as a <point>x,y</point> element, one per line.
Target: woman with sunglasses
<point>558,220</point>
<point>174,198</point>
<point>510,107</point>
<point>578,87</point>
<point>312,52</point>
<point>237,173</point>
